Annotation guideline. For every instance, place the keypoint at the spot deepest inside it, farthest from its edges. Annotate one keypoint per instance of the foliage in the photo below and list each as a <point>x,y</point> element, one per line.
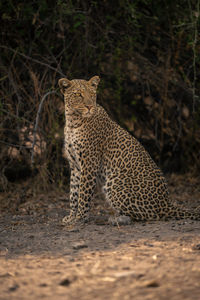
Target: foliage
<point>146,53</point>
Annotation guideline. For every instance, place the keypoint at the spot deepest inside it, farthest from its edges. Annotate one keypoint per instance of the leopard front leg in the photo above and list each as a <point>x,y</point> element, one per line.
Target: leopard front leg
<point>86,191</point>
<point>74,195</point>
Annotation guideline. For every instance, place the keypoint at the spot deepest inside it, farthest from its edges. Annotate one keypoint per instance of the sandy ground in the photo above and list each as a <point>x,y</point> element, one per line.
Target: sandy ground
<point>40,259</point>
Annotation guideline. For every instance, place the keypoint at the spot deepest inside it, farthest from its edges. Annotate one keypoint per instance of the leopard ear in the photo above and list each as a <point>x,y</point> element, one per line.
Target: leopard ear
<point>94,81</point>
<point>64,84</point>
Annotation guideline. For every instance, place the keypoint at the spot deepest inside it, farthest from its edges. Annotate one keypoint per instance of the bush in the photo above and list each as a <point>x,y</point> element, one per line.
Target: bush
<point>146,55</point>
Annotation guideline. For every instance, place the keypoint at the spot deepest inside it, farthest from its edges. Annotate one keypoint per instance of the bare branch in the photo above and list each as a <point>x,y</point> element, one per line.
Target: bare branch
<point>14,116</point>
<point>37,122</point>
<point>14,145</point>
<point>34,60</point>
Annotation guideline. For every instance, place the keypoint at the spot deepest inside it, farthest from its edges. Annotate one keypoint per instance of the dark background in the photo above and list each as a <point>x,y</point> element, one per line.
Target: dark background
<point>147,54</point>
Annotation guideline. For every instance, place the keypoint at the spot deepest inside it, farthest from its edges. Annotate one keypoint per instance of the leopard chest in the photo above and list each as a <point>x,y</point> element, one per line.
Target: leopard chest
<point>72,147</point>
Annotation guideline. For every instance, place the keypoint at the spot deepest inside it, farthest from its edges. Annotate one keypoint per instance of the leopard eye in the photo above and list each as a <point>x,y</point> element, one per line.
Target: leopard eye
<point>78,94</point>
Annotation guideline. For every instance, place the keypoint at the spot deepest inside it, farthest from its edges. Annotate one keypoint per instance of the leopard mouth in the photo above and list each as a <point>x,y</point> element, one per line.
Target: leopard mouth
<point>88,113</point>
<point>83,112</point>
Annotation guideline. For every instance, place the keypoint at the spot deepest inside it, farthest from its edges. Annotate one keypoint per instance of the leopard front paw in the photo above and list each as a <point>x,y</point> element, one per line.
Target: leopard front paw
<point>68,220</point>
<point>77,220</point>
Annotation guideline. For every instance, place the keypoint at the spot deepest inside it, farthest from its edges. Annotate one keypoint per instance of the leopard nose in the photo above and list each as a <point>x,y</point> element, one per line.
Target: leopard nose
<point>89,107</point>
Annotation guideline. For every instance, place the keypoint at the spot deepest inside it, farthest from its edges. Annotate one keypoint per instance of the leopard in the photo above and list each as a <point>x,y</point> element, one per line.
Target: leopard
<point>100,150</point>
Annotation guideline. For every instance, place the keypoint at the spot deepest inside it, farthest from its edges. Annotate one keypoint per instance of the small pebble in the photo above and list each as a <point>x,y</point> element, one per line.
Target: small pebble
<point>14,288</point>
<point>65,282</point>
<point>152,284</point>
<point>79,245</point>
<point>196,247</point>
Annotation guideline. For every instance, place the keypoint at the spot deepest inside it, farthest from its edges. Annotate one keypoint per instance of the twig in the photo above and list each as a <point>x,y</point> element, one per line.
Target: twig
<point>179,130</point>
<point>14,116</point>
<point>194,56</point>
<point>195,18</point>
<point>53,57</point>
<point>14,145</point>
<point>37,122</point>
<point>34,60</point>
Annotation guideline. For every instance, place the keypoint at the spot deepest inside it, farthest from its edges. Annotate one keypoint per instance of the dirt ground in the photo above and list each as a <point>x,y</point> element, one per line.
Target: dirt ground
<point>40,259</point>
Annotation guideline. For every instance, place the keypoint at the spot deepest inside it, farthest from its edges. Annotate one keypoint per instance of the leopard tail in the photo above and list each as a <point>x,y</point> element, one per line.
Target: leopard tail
<point>182,213</point>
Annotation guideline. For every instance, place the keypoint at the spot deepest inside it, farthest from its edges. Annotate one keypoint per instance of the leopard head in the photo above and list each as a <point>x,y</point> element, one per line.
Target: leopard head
<point>79,95</point>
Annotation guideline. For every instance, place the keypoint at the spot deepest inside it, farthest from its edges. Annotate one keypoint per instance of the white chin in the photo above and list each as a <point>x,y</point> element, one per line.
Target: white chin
<point>87,115</point>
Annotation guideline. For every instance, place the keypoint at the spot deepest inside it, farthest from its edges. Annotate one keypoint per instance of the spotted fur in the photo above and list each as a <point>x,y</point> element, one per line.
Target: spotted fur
<point>98,148</point>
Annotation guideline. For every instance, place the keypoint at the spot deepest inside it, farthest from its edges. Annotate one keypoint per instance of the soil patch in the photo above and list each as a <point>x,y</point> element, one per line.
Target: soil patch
<point>40,259</point>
